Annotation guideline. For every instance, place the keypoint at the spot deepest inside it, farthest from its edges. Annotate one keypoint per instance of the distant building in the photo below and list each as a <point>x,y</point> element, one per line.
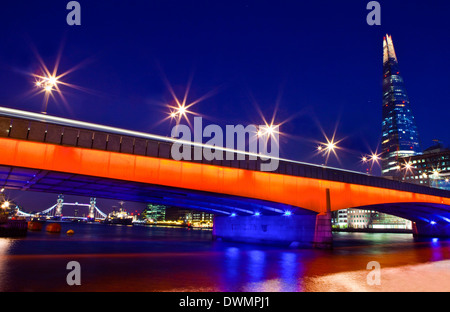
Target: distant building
<point>400,137</point>
<point>432,168</point>
<point>358,218</point>
<point>367,219</point>
<point>201,216</point>
<point>339,218</point>
<point>189,216</point>
<point>386,221</point>
<point>178,214</point>
<point>154,212</point>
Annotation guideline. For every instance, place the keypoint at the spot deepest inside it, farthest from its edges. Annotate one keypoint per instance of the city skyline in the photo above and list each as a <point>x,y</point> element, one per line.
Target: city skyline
<point>360,132</point>
<point>138,94</point>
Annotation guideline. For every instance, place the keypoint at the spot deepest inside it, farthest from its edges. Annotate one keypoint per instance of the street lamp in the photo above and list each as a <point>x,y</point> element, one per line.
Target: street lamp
<point>375,158</point>
<point>269,130</point>
<point>47,83</point>
<point>330,146</point>
<point>327,148</point>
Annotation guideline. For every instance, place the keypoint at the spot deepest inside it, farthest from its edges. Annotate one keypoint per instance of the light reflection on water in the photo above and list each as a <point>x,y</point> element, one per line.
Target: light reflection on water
<point>138,258</point>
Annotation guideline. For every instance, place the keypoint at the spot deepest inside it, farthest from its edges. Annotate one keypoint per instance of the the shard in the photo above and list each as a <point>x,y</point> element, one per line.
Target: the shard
<point>400,137</point>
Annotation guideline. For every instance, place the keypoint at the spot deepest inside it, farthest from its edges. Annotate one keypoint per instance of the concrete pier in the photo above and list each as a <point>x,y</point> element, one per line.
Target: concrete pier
<point>300,231</point>
<point>307,230</point>
<point>293,230</point>
<point>323,236</point>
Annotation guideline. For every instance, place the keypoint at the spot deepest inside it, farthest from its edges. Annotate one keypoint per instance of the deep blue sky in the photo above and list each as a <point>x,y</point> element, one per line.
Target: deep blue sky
<point>320,58</point>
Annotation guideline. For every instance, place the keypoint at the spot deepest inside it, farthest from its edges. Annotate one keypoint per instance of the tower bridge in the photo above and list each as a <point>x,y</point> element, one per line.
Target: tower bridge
<point>94,213</point>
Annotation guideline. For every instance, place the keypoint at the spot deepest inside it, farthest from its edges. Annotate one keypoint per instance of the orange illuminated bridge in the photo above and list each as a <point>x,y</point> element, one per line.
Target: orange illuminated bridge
<point>51,154</point>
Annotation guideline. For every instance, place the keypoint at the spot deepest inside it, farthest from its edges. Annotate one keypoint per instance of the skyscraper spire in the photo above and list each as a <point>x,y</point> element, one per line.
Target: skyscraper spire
<point>388,49</point>
<point>400,135</point>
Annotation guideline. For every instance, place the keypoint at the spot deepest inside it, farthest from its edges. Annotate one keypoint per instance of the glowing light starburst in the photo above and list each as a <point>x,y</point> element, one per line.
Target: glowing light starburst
<point>180,111</point>
<point>375,158</point>
<point>180,108</point>
<point>49,82</point>
<point>372,159</point>
<point>329,147</point>
<point>407,167</point>
<point>269,130</point>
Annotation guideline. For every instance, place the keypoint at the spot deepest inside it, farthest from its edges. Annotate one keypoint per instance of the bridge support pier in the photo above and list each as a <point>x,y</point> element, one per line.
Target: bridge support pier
<point>323,237</point>
<point>299,231</point>
<point>427,229</point>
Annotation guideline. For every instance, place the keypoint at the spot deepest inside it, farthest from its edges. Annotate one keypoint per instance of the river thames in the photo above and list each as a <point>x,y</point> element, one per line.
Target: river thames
<point>159,259</point>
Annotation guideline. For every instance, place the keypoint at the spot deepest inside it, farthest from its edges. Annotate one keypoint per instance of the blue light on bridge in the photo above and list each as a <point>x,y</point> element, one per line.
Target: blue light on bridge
<point>287,213</point>
<point>432,222</point>
<point>233,215</point>
<point>257,214</point>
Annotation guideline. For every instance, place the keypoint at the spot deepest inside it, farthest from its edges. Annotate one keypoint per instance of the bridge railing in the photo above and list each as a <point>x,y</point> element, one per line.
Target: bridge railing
<point>154,146</point>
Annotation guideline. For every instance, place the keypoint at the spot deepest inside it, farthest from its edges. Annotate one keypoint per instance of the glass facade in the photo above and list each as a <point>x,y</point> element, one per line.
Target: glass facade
<point>431,169</point>
<point>399,132</point>
<point>154,212</point>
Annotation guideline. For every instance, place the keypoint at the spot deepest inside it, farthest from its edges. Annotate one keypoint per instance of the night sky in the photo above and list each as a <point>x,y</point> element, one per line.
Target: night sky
<point>319,60</point>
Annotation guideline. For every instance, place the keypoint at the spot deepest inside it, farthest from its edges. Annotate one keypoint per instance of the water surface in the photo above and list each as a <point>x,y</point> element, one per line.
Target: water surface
<point>142,258</point>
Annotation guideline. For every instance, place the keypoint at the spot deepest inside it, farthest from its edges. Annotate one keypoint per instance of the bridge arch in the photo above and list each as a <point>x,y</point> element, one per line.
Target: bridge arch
<point>414,211</point>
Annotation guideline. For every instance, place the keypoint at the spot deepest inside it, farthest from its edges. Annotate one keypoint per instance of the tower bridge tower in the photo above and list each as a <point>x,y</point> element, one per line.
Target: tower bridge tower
<point>59,205</point>
<point>92,203</point>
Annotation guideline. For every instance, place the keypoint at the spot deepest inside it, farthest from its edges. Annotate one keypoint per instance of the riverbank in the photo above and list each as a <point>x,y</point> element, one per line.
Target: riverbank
<point>370,230</point>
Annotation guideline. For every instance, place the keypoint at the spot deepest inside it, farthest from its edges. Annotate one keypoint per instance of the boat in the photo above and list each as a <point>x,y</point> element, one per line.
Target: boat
<point>10,224</point>
<point>13,227</point>
<point>118,220</point>
<point>120,217</point>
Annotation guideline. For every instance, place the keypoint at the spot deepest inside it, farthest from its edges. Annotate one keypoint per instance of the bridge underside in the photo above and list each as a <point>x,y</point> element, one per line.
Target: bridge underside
<point>27,179</point>
<point>416,212</point>
<point>429,219</point>
<point>37,180</point>
<point>304,227</point>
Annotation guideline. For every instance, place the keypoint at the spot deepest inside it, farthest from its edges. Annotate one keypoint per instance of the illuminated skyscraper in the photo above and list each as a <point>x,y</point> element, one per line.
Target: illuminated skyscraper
<point>154,212</point>
<point>400,136</point>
